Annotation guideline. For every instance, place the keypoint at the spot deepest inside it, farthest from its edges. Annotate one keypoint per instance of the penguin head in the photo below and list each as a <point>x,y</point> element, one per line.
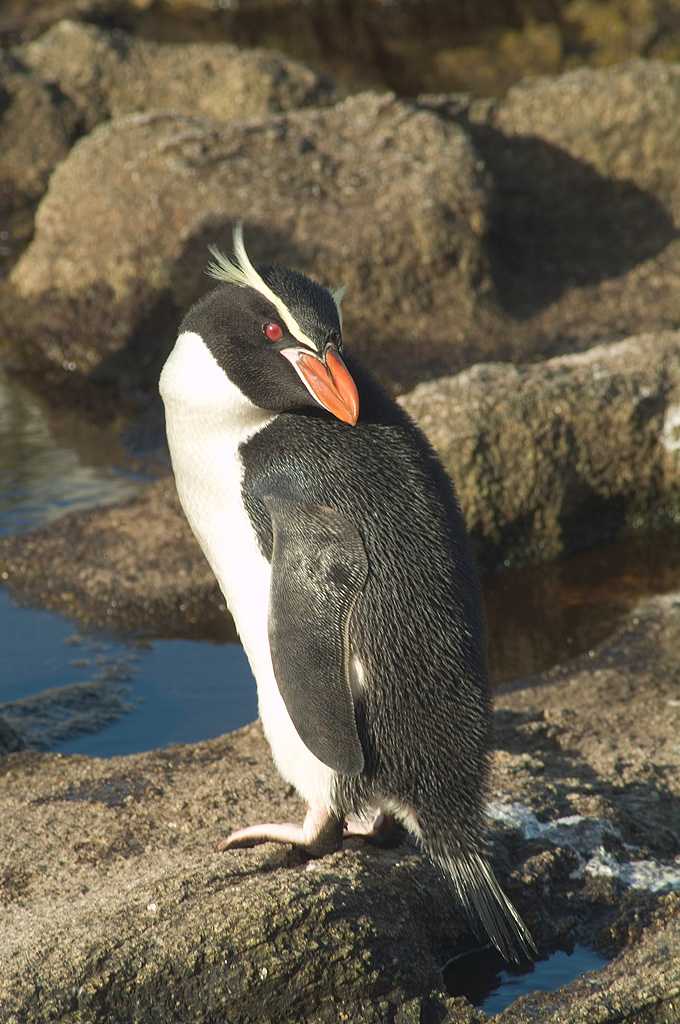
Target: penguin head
<point>274,333</point>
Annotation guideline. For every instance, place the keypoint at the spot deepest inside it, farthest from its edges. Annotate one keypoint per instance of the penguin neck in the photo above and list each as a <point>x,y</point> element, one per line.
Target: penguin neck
<point>200,398</point>
<point>207,420</point>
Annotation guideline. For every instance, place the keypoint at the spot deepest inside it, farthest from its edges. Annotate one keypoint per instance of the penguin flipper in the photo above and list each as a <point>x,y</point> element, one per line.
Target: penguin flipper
<point>319,567</point>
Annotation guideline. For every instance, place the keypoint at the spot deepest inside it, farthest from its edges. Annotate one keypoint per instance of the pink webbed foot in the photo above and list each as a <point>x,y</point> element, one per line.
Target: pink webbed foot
<point>383,830</point>
<point>320,833</point>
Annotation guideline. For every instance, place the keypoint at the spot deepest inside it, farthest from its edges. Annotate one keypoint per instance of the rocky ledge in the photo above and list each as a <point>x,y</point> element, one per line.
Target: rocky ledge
<point>115,905</point>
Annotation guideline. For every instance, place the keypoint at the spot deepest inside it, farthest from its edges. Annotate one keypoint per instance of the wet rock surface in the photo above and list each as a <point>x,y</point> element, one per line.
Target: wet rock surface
<point>546,458</point>
<point>111,73</point>
<point>10,740</point>
<point>115,904</point>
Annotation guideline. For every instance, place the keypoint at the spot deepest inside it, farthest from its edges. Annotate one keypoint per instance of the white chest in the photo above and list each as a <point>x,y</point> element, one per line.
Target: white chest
<point>207,419</point>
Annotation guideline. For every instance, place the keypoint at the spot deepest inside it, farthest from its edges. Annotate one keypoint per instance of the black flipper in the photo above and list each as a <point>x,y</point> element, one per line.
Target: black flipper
<point>319,567</point>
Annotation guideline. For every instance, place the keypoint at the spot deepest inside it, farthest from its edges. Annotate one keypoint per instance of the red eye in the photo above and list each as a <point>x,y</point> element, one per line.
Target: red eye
<point>273,332</point>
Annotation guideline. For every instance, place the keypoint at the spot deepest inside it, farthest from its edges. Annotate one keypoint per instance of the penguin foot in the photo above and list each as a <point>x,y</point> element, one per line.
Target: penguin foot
<point>384,830</point>
<point>320,833</point>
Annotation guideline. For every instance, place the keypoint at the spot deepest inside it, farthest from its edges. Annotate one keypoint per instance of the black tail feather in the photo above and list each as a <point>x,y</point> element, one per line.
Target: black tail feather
<point>485,903</point>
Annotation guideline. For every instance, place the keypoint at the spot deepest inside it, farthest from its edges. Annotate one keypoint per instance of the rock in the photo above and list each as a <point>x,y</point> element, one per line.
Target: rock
<point>24,19</point>
<point>591,752</point>
<point>117,908</point>
<point>465,230</point>
<point>132,910</point>
<point>546,458</point>
<point>551,457</point>
<point>451,47</point>
<point>373,193</point>
<point>76,75</point>
<point>583,239</point>
<point>10,740</point>
<point>598,738</point>
<point>28,156</point>
<point>111,73</point>
<point>38,123</point>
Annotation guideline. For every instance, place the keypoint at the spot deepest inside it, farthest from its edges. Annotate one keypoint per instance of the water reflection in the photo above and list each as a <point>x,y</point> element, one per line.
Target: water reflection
<point>89,692</point>
<point>41,477</point>
<point>541,615</point>
<point>490,983</point>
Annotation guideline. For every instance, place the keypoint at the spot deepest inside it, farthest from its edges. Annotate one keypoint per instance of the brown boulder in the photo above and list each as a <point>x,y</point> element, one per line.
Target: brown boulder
<point>584,240</point>
<point>133,915</point>
<point>551,457</point>
<point>111,73</point>
<point>38,124</point>
<point>373,193</point>
<point>465,230</point>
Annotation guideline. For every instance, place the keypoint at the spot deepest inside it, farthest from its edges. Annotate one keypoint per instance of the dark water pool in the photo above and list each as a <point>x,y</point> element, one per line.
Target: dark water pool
<point>486,980</point>
<point>99,694</point>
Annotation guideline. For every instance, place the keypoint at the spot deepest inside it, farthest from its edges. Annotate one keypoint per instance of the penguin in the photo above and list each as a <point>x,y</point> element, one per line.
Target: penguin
<point>338,543</point>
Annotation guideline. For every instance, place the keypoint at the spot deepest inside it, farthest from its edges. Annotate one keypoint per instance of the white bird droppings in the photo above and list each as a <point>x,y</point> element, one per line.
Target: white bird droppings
<point>586,837</point>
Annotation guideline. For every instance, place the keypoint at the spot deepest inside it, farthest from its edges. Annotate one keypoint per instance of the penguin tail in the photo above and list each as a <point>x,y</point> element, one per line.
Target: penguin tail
<point>485,903</point>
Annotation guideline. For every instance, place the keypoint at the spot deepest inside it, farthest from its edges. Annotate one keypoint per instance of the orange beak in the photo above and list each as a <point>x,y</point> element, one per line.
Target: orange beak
<point>328,381</point>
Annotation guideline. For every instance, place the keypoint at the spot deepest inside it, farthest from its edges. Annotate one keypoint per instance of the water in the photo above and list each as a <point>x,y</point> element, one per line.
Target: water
<point>487,981</point>
<point>103,695</point>
<point>53,463</point>
<point>542,615</point>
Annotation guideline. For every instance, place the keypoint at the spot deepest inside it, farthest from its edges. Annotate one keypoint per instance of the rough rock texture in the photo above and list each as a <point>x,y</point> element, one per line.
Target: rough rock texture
<point>38,123</point>
<point>599,736</point>
<point>28,156</point>
<point>464,230</point>
<point>554,456</point>
<point>424,45</point>
<point>584,240</point>
<point>138,918</point>
<point>373,193</point>
<point>110,73</point>
<point>23,19</point>
<point>76,75</point>
<point>117,908</point>
<point>546,458</point>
